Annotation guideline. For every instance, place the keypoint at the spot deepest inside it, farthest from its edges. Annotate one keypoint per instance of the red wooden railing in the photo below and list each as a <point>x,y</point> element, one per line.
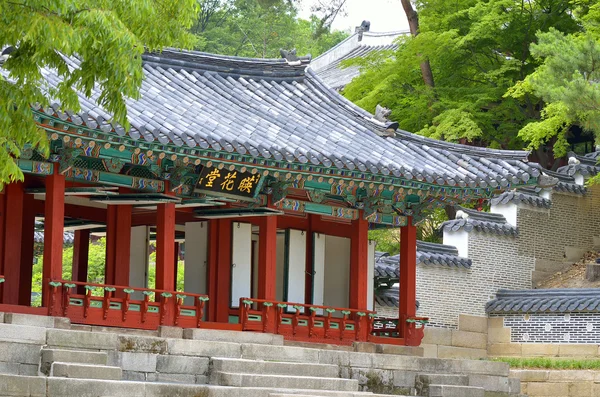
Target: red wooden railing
<point>385,328</point>
<point>297,321</point>
<point>112,305</point>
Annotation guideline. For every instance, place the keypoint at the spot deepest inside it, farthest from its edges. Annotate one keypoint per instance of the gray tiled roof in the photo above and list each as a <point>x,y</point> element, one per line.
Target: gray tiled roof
<point>588,165</point>
<point>328,65</point>
<point>546,300</point>
<point>528,196</point>
<point>427,254</point>
<point>388,297</point>
<point>275,109</point>
<point>68,237</point>
<point>566,183</point>
<point>482,222</point>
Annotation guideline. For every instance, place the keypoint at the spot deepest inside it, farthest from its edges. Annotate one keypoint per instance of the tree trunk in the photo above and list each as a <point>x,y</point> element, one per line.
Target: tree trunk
<point>592,272</point>
<point>413,23</point>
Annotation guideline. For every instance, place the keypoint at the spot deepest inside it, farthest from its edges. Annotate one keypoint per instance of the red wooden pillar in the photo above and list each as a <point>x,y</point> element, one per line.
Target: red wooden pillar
<point>27,246</point>
<point>267,258</point>
<point>359,263</point>
<point>165,246</point>
<point>118,244</point>
<point>54,222</point>
<point>223,270</point>
<point>13,235</point>
<point>81,249</point>
<point>213,233</point>
<point>407,304</point>
<point>308,281</point>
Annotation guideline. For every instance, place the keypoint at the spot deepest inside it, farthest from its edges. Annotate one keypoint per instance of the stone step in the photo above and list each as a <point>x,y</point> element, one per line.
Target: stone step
<point>85,371</point>
<point>284,382</point>
<point>81,339</point>
<point>232,336</point>
<point>36,321</point>
<point>50,356</point>
<point>423,381</point>
<point>455,391</point>
<point>22,334</point>
<point>232,365</point>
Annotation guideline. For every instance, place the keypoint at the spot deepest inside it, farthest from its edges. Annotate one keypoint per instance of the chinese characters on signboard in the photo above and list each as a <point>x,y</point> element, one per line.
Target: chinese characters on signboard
<point>234,183</point>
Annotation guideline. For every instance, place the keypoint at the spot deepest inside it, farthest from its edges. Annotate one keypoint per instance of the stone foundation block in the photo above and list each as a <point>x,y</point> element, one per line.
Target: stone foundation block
<point>134,376</point>
<point>490,383</point>
<point>170,332</point>
<point>28,369</point>
<point>82,340</point>
<point>484,367</point>
<point>1,317</point>
<point>22,334</point>
<point>142,344</point>
<point>404,379</point>
<point>232,336</point>
<point>181,390</point>
<point>437,336</point>
<point>83,371</point>
<point>577,350</point>
<point>471,340</point>
<point>495,322</point>
<point>176,378</point>
<point>499,335</point>
<point>182,365</point>
<point>473,323</point>
<point>139,362</point>
<point>29,319</point>
<point>572,376</point>
<point>20,353</point>
<point>455,391</point>
<point>547,389</point>
<point>383,361</point>
<point>504,349</point>
<point>461,352</point>
<point>72,356</point>
<point>66,387</point>
<point>530,375</point>
<point>278,353</point>
<point>14,385</point>
<point>9,368</point>
<point>539,349</point>
<point>185,347</point>
<point>430,351</point>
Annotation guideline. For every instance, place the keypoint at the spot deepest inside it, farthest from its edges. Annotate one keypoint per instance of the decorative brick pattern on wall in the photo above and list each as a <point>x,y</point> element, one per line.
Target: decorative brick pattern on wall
<point>444,293</point>
<point>553,327</point>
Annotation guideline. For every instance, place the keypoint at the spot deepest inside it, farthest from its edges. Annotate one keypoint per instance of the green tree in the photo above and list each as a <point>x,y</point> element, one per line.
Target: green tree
<point>477,51</point>
<point>108,37</point>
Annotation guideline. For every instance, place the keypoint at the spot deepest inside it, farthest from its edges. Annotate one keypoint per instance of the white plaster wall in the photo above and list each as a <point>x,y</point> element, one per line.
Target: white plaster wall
<point>459,239</point>
<point>196,258</point>
<point>138,260</point>
<point>509,210</point>
<point>337,272</point>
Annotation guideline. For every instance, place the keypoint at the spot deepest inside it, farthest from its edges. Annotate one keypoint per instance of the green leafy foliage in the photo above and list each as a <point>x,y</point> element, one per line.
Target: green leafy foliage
<point>108,37</point>
<point>481,54</point>
<point>260,29</point>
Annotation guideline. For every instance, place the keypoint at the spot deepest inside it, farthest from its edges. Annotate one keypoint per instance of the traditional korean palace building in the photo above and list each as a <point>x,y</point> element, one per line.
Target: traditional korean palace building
<point>270,177</point>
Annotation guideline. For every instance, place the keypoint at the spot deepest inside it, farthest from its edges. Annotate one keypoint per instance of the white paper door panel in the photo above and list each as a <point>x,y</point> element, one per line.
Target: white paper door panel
<point>196,252</point>
<point>371,275</point>
<point>241,262</point>
<point>318,269</point>
<point>296,266</point>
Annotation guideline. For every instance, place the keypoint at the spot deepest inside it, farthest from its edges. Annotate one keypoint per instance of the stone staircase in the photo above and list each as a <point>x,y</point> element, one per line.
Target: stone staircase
<point>47,358</point>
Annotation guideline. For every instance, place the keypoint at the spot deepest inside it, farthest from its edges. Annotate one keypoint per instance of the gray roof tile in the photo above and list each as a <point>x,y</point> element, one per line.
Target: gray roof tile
<point>273,109</point>
<point>545,300</point>
<point>529,196</point>
<point>481,221</point>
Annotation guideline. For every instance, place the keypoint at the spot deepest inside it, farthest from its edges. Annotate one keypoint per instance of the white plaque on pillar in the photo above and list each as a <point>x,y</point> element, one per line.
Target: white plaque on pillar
<point>241,262</point>
<point>295,266</point>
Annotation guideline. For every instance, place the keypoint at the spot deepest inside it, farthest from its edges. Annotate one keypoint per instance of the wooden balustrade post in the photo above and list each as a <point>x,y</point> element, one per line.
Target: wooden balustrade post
<point>407,305</point>
<point>54,221</point>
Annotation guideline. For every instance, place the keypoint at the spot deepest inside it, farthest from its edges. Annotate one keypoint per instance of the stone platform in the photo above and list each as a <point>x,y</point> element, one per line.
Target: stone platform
<point>42,356</point>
